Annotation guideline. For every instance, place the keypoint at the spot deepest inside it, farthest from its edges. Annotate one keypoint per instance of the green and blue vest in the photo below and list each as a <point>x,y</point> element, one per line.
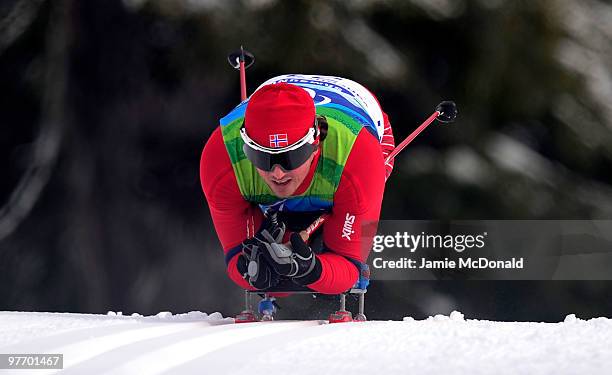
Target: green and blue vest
<point>347,106</point>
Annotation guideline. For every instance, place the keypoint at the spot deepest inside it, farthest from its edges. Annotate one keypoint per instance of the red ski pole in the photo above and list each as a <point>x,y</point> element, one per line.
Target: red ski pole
<point>243,92</point>
<point>445,112</point>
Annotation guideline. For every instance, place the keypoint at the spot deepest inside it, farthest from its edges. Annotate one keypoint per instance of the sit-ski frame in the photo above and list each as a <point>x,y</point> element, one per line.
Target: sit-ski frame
<point>267,308</point>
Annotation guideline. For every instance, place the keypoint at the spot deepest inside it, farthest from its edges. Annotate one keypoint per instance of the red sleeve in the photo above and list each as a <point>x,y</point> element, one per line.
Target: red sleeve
<point>231,214</point>
<point>348,231</point>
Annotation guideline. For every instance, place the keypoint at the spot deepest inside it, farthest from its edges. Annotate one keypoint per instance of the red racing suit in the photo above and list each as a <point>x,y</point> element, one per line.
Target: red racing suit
<point>357,201</point>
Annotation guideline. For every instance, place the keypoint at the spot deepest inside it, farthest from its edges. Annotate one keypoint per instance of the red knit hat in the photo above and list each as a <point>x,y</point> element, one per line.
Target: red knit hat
<point>278,115</point>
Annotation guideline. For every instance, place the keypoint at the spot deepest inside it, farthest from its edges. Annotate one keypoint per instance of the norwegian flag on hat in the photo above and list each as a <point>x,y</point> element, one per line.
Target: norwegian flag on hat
<point>279,140</point>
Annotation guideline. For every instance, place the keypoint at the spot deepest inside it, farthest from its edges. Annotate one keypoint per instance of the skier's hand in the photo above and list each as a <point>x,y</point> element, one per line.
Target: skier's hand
<point>251,263</point>
<point>295,260</point>
<point>271,230</point>
<point>254,269</point>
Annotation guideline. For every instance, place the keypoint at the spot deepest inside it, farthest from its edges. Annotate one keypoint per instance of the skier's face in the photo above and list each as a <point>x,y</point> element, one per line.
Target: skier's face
<point>284,183</point>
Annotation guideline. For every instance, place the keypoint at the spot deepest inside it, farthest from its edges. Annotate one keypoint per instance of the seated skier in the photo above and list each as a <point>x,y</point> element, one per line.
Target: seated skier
<point>301,146</point>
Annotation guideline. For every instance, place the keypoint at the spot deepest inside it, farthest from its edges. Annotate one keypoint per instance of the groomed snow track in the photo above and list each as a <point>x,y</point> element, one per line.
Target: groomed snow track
<point>197,343</point>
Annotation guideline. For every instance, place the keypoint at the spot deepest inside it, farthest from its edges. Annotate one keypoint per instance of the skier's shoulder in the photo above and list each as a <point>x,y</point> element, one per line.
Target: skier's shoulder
<point>214,144</point>
<point>366,147</point>
<point>364,171</point>
<point>215,163</point>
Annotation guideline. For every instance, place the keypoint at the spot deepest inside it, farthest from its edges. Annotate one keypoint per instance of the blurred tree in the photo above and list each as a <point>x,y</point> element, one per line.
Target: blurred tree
<point>107,104</point>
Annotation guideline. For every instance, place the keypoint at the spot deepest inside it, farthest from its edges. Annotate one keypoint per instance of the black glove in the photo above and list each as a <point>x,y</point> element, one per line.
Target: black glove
<point>254,269</point>
<point>251,263</point>
<point>271,230</point>
<point>296,261</point>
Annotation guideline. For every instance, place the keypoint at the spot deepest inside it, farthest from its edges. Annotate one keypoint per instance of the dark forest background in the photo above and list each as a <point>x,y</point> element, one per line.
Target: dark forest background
<point>105,106</point>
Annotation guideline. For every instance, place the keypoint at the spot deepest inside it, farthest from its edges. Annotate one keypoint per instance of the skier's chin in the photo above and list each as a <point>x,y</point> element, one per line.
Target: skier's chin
<point>283,189</point>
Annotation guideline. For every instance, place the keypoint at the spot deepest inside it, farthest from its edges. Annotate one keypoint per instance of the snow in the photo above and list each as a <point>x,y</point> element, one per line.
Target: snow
<point>198,343</point>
